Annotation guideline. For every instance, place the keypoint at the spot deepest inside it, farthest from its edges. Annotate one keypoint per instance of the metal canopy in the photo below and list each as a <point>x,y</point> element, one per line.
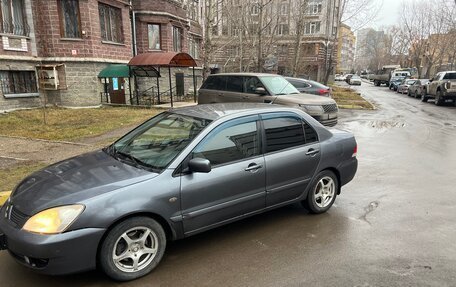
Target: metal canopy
<point>115,71</point>
<point>145,71</point>
<point>163,59</point>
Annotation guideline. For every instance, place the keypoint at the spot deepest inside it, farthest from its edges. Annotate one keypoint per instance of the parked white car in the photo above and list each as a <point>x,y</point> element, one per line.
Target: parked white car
<point>355,80</point>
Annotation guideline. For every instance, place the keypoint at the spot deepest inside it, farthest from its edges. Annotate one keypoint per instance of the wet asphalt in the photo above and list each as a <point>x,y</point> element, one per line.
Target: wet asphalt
<point>393,225</point>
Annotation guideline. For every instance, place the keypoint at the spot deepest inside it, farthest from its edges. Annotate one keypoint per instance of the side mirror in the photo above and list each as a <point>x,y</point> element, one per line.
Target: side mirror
<point>260,91</point>
<point>431,80</point>
<point>199,165</point>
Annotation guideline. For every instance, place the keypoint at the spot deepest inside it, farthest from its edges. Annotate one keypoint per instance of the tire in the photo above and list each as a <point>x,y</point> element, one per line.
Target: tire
<point>439,98</point>
<point>139,239</point>
<point>424,99</point>
<point>316,202</point>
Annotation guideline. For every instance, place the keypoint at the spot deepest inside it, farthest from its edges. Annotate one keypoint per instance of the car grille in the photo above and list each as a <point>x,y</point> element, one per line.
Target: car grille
<point>17,217</point>
<point>330,108</point>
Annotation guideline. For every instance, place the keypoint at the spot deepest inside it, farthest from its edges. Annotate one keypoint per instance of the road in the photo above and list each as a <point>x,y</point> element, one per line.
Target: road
<point>393,225</point>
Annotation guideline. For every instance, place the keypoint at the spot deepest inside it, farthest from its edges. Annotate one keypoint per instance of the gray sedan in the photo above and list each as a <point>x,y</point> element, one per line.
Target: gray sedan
<point>178,174</point>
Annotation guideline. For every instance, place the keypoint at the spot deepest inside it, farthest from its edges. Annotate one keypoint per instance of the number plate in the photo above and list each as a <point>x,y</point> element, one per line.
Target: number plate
<point>2,241</point>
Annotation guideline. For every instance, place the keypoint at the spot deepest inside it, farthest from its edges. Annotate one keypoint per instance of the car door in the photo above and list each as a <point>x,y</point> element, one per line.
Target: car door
<point>234,89</point>
<point>292,154</point>
<point>236,184</point>
<point>251,83</point>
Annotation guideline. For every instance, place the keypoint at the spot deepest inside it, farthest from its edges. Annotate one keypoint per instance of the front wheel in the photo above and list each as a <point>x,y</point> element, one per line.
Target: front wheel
<point>424,99</point>
<point>322,193</point>
<point>132,249</point>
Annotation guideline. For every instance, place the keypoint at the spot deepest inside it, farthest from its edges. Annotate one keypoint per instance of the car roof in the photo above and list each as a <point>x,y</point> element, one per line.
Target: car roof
<point>215,111</point>
<point>317,84</point>
<point>243,74</point>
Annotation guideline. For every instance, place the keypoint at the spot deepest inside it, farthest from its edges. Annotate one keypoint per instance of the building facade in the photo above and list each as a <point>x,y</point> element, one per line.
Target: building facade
<point>346,50</point>
<point>282,36</point>
<point>54,53</point>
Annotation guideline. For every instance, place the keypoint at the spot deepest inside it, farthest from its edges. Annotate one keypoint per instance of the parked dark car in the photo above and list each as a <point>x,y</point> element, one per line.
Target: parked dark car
<point>395,82</point>
<point>310,87</point>
<point>178,174</point>
<point>265,88</point>
<point>418,89</point>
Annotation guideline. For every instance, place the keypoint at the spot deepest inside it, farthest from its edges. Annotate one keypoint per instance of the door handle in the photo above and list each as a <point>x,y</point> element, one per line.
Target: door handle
<point>253,167</point>
<point>312,152</point>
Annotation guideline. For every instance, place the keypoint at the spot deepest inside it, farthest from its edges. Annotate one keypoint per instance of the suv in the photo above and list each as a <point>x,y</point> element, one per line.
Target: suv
<point>265,88</point>
<point>442,87</point>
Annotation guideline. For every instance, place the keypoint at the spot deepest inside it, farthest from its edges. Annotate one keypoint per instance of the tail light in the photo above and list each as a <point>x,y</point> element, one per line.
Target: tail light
<point>323,92</point>
<point>355,151</point>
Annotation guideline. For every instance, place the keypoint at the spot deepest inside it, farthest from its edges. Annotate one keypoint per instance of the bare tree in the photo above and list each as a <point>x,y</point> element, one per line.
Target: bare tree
<point>298,11</point>
<point>359,13</point>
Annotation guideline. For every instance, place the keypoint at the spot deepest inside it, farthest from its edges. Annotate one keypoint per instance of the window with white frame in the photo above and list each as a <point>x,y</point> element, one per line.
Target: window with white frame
<point>12,18</point>
<point>154,34</point>
<point>193,10</point>
<point>312,28</point>
<point>315,7</point>
<point>284,8</point>
<point>282,29</point>
<point>255,9</point>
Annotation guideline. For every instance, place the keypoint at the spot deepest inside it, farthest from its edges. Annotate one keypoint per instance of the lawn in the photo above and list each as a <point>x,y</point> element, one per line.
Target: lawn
<point>70,124</point>
<point>346,98</point>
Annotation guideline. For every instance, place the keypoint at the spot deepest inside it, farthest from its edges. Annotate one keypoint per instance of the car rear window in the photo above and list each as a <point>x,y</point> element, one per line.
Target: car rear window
<point>450,76</point>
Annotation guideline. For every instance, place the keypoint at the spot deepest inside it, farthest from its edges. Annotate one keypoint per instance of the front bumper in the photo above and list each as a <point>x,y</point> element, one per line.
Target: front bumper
<point>59,254</point>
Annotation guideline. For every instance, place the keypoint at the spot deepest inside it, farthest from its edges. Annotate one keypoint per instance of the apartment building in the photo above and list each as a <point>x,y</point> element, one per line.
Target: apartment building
<point>52,50</point>
<point>346,49</point>
<point>279,36</point>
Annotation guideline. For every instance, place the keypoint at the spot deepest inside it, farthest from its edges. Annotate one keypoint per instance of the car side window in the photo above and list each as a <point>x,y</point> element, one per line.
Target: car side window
<point>232,141</point>
<point>251,84</point>
<point>234,84</point>
<point>299,84</point>
<point>215,83</point>
<point>283,132</point>
<point>310,134</point>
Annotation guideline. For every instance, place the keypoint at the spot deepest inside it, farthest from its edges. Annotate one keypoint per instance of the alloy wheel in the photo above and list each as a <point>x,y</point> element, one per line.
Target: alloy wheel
<point>324,191</point>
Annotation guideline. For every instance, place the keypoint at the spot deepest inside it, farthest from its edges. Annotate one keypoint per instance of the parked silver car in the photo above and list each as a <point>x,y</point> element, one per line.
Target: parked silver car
<point>265,88</point>
<point>178,174</point>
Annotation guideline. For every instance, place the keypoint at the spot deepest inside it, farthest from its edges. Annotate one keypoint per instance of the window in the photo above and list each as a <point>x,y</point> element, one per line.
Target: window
<point>177,39</point>
<point>232,141</point>
<point>283,132</point>
<point>449,76</point>
<point>18,82</point>
<point>251,84</point>
<point>193,10</point>
<point>255,9</point>
<point>234,84</point>
<point>214,83</point>
<point>193,47</point>
<point>311,134</point>
<point>314,7</point>
<point>282,29</point>
<point>110,23</point>
<point>312,28</point>
<point>70,22</point>
<point>284,8</point>
<point>299,84</point>
<point>154,36</point>
<point>12,18</point>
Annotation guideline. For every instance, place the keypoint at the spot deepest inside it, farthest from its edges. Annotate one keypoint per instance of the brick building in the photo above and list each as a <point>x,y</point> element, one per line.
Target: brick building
<point>346,50</point>
<point>280,24</point>
<point>168,26</point>
<point>57,48</point>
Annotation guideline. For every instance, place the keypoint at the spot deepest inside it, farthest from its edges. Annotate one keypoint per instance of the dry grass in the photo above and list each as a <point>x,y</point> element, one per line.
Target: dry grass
<point>346,98</point>
<point>10,177</point>
<point>70,124</point>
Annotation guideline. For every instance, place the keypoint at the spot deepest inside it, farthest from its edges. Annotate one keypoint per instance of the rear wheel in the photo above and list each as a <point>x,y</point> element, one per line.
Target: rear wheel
<point>132,249</point>
<point>322,193</point>
<point>424,98</point>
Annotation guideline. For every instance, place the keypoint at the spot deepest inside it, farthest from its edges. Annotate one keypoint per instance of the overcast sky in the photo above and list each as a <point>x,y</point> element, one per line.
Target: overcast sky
<point>389,14</point>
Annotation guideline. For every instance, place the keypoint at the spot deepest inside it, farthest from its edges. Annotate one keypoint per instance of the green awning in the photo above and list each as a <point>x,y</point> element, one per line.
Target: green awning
<point>115,71</point>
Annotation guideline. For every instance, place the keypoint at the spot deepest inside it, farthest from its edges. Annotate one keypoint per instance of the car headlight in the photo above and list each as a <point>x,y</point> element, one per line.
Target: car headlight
<point>312,108</point>
<point>54,220</point>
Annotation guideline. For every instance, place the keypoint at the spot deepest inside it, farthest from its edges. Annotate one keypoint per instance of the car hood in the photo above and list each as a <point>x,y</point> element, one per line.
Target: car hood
<point>303,99</point>
<point>73,181</point>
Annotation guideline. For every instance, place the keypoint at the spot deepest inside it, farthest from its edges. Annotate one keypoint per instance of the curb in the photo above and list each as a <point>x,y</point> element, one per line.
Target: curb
<point>4,197</point>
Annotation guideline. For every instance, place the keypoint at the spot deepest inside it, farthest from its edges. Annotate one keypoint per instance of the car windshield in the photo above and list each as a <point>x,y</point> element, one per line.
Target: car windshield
<point>154,144</point>
<point>356,77</point>
<point>277,85</point>
<point>410,82</point>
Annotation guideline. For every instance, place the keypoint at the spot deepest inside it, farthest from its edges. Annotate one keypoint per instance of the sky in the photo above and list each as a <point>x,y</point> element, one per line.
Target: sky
<point>389,13</point>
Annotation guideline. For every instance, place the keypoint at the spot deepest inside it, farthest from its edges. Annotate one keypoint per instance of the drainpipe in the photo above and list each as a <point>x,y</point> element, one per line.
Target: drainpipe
<point>133,29</point>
